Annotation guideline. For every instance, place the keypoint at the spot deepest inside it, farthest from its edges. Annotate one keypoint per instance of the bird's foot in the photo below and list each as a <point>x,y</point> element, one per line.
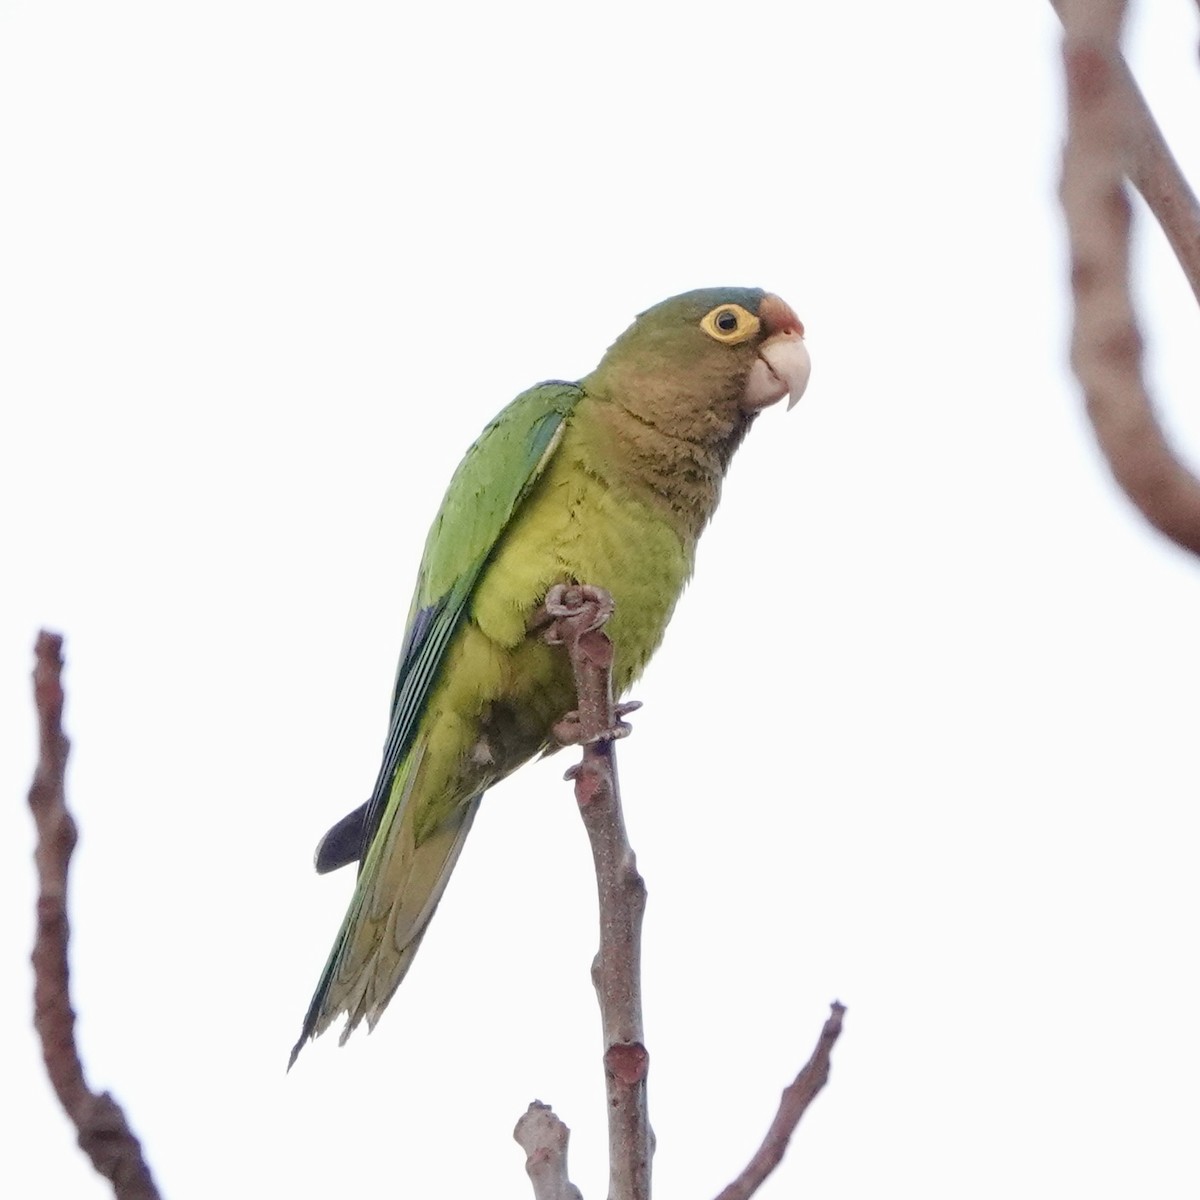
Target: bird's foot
<point>573,616</point>
<point>569,611</point>
<point>570,732</point>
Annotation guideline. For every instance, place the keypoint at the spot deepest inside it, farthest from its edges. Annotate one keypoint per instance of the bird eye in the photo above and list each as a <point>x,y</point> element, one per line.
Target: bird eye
<point>731,324</point>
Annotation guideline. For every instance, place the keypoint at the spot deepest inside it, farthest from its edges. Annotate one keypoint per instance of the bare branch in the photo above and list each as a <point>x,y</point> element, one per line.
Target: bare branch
<point>574,618</point>
<point>1109,125</point>
<point>544,1139</point>
<point>1155,173</point>
<point>797,1096</point>
<point>104,1135</point>
<point>576,615</point>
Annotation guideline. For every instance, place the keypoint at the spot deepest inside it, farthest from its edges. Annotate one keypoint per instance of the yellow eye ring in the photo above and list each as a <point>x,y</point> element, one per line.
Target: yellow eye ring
<point>730,323</point>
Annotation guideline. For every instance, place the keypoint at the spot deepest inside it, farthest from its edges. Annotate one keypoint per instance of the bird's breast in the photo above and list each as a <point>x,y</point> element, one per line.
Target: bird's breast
<point>580,527</point>
<point>575,527</point>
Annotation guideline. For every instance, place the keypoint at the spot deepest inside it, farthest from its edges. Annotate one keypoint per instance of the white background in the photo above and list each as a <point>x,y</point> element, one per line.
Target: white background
<point>921,737</point>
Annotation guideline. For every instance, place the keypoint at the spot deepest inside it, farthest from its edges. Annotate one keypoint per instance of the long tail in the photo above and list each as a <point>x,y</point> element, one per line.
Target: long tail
<point>401,882</point>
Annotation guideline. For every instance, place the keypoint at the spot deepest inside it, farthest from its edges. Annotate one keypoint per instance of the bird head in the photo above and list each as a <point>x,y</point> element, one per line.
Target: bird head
<point>704,363</point>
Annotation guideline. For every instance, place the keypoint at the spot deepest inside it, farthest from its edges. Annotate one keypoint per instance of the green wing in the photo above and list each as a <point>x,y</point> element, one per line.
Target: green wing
<point>494,477</point>
<point>489,486</point>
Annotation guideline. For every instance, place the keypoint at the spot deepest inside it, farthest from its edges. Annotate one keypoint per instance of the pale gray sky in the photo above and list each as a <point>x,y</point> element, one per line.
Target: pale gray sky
<point>265,270</point>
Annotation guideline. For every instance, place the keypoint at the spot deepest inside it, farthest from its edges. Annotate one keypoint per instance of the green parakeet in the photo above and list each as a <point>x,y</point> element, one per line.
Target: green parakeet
<point>608,481</point>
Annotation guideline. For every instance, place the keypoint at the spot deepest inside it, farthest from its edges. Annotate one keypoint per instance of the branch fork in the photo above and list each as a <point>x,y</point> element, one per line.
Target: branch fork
<point>574,616</point>
<point>1111,133</point>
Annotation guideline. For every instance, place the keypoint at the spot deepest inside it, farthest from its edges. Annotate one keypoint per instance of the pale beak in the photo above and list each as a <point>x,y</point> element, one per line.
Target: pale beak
<point>781,369</point>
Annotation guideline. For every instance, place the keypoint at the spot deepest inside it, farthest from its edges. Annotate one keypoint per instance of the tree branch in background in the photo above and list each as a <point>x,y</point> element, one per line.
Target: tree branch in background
<point>104,1135</point>
<point>797,1096</point>
<point>1155,173</point>
<point>1110,131</point>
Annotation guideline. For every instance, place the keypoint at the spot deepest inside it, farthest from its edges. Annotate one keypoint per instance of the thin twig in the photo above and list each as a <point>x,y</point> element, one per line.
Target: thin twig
<point>544,1139</point>
<point>577,614</point>
<point>797,1096</point>
<point>104,1135</point>
<point>1109,130</point>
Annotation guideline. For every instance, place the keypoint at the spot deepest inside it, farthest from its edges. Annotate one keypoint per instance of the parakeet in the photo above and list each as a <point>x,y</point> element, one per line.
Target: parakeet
<point>608,481</point>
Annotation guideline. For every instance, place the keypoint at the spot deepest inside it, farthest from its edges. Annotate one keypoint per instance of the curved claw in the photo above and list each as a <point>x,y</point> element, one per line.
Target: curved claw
<point>573,602</point>
<point>567,731</point>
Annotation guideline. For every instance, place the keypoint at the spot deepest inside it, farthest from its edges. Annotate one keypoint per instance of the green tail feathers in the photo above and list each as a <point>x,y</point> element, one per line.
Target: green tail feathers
<point>397,892</point>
